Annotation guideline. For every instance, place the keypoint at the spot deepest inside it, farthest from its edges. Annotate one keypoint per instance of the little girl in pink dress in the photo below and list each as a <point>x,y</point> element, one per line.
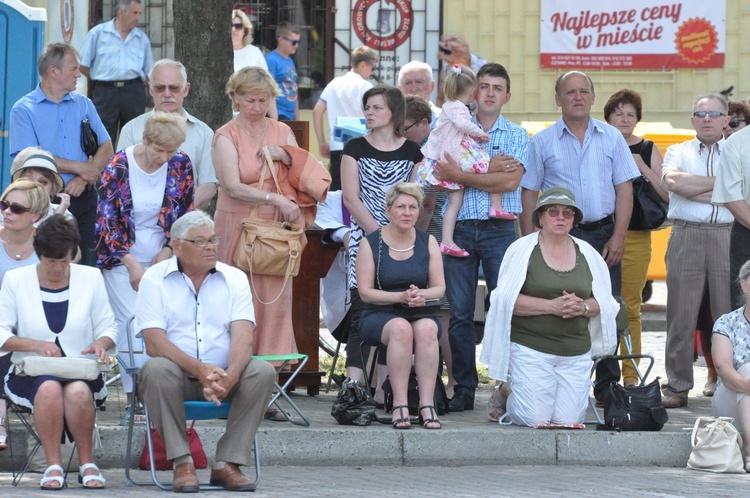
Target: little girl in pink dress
<point>457,135</point>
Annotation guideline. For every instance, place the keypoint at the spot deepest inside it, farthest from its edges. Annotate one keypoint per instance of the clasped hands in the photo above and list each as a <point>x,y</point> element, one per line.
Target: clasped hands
<point>216,383</point>
<point>413,297</point>
<point>568,305</point>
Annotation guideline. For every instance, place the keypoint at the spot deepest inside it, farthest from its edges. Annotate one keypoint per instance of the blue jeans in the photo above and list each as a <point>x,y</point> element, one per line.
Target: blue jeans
<point>486,241</point>
<point>607,371</point>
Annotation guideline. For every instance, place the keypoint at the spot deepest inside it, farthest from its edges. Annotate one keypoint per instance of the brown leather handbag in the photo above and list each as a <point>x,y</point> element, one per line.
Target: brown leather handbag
<point>268,247</point>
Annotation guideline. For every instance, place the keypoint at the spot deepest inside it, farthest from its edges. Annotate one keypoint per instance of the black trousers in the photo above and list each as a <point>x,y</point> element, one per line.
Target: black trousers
<point>335,169</point>
<point>739,252</point>
<point>117,106</point>
<point>83,208</point>
<point>607,371</point>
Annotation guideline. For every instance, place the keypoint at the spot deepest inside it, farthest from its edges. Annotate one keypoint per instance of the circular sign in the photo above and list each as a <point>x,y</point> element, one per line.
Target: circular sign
<point>67,20</point>
<point>696,40</point>
<point>383,37</point>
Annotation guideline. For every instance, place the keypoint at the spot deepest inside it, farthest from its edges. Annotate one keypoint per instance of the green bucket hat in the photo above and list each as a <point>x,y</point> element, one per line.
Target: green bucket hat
<point>557,196</point>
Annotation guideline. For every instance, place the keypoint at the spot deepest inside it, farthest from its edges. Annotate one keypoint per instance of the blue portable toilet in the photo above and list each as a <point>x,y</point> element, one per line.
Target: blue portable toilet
<point>22,34</point>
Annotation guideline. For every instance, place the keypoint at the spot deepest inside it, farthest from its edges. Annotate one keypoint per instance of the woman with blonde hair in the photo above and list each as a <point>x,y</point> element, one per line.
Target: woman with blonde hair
<point>144,188</point>
<point>239,156</point>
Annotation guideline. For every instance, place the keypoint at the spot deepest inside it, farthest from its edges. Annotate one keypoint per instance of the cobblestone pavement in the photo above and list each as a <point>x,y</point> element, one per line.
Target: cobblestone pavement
<point>495,481</point>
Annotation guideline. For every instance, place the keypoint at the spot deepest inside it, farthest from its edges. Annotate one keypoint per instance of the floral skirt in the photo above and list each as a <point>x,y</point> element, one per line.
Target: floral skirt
<point>473,159</point>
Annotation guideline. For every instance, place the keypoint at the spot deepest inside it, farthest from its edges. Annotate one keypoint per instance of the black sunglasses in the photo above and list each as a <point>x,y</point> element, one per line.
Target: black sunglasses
<point>735,122</point>
<point>14,208</point>
<point>290,40</point>
<point>237,26</point>
<point>446,51</point>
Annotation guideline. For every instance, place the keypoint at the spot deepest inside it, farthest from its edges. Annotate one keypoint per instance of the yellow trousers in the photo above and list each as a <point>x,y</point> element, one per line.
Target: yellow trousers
<point>634,270</point>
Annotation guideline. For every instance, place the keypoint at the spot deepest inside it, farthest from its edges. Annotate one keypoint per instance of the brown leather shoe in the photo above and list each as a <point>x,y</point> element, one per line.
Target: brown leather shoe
<point>184,479</point>
<point>231,478</point>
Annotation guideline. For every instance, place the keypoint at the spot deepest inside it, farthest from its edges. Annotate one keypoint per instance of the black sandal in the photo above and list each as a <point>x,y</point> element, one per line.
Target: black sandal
<point>432,420</point>
<point>398,423</point>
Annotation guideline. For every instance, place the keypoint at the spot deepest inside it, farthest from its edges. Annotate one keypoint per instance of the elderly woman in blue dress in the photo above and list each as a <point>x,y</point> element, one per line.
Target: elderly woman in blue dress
<point>730,347</point>
<point>554,311</point>
<point>58,310</point>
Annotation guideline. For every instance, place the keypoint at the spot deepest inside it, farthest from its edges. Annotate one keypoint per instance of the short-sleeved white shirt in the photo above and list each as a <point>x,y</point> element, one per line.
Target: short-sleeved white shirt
<point>249,56</point>
<point>343,99</point>
<point>733,176</point>
<point>199,323</point>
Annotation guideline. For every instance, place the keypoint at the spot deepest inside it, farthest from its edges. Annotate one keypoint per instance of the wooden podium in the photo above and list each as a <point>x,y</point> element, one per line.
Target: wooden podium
<point>316,260</point>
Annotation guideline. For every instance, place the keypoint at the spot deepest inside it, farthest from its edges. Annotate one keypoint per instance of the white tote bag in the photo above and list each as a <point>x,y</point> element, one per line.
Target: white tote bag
<point>717,446</point>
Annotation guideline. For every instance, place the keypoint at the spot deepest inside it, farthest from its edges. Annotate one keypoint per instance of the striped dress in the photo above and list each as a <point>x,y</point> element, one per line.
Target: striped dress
<point>378,171</point>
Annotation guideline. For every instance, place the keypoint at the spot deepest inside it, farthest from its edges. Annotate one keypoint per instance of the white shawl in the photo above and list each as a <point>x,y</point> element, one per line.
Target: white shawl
<point>496,347</point>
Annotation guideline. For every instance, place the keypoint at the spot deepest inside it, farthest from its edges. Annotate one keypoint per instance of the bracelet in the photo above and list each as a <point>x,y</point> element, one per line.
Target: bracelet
<point>268,196</point>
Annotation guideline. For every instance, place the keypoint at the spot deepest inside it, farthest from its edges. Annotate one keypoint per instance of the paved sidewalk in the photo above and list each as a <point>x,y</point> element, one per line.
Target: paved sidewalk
<point>496,481</point>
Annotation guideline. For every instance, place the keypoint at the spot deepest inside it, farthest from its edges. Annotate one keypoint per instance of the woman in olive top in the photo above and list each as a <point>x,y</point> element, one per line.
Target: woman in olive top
<point>554,311</point>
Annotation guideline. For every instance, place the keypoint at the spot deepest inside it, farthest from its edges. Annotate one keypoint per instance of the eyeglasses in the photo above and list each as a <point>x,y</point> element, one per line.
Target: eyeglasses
<point>159,88</point>
<point>568,214</point>
<point>237,26</point>
<point>710,114</point>
<point>415,123</point>
<point>292,41</point>
<point>736,122</point>
<point>203,243</point>
<point>373,65</point>
<point>446,51</point>
<point>14,208</point>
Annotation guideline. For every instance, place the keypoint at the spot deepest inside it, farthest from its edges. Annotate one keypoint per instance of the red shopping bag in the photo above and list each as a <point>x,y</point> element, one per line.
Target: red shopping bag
<point>160,451</point>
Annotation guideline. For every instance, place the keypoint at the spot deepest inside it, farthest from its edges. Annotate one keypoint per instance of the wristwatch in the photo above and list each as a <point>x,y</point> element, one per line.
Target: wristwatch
<point>585,309</point>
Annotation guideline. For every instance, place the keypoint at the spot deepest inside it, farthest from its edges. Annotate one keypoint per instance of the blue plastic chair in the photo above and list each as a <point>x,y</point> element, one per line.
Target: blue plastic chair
<point>194,410</point>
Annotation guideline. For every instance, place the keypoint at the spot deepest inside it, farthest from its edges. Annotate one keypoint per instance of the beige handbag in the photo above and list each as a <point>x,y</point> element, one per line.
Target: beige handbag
<point>717,446</point>
<point>268,247</point>
<point>66,368</point>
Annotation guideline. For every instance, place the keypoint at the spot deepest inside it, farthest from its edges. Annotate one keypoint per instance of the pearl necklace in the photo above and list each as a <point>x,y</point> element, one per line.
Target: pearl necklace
<point>402,250</point>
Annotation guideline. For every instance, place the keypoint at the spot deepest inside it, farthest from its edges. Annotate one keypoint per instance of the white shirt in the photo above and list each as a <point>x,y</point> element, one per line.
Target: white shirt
<point>199,323</point>
<point>197,144</point>
<point>147,190</point>
<point>697,159</point>
<point>343,99</point>
<point>249,56</point>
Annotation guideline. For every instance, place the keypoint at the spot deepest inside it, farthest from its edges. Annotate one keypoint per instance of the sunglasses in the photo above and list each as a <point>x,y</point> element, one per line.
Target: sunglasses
<point>568,214</point>
<point>710,114</point>
<point>735,122</point>
<point>14,208</point>
<point>446,51</point>
<point>237,26</point>
<point>293,42</point>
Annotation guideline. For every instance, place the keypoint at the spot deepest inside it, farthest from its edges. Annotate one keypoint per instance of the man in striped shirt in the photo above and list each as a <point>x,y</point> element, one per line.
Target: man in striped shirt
<point>591,159</point>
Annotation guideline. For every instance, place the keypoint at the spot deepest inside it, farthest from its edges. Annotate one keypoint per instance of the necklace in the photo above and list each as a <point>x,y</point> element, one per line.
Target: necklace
<point>23,247</point>
<point>255,139</point>
<point>550,260</point>
<point>402,250</point>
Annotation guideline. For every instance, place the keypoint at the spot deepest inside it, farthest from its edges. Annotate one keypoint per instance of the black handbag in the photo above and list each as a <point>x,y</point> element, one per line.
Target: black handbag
<point>649,210</point>
<point>635,408</point>
<point>89,140</point>
<point>353,404</point>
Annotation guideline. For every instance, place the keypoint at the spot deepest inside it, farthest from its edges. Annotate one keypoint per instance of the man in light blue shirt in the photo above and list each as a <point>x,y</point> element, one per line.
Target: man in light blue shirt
<point>486,239</point>
<point>50,117</point>
<point>116,56</point>
<point>591,159</point>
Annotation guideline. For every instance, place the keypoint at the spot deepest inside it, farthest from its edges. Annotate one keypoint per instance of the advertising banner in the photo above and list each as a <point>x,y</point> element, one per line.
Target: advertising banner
<point>633,34</point>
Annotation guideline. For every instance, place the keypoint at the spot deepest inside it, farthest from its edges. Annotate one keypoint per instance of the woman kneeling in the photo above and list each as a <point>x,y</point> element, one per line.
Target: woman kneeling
<point>552,311</point>
<point>399,270</point>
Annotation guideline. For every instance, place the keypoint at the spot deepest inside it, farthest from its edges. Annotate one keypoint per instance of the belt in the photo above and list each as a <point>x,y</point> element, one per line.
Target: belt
<point>699,224</point>
<point>595,225</point>
<point>117,84</point>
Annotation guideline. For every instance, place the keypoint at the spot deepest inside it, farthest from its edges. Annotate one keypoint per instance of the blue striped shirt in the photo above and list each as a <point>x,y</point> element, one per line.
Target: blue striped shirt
<point>590,171</point>
<point>511,140</point>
